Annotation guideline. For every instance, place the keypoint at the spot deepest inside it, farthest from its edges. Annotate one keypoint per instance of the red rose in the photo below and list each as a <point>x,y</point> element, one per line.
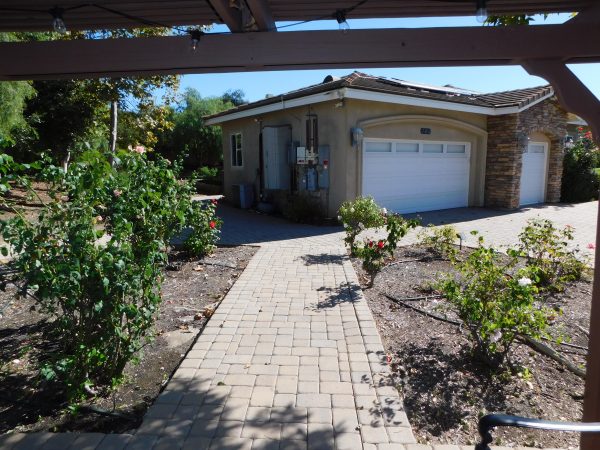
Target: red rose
<point>212,224</point>
<point>380,244</point>
<point>370,244</point>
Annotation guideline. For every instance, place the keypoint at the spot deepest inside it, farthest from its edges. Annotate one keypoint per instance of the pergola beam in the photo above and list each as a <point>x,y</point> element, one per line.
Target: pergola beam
<point>262,15</point>
<point>466,46</point>
<point>232,17</point>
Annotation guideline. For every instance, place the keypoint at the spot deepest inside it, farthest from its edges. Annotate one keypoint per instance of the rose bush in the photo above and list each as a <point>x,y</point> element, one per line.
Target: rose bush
<point>93,261</point>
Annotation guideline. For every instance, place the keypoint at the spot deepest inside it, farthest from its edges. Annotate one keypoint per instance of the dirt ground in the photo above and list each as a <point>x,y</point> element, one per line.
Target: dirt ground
<point>446,389</point>
<point>26,404</point>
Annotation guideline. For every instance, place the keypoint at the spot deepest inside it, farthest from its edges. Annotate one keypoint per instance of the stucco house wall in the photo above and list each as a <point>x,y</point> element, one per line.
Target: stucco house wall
<point>377,120</point>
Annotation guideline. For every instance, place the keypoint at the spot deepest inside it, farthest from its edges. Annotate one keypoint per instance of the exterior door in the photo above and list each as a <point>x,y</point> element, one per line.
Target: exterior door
<point>276,143</point>
<point>533,174</point>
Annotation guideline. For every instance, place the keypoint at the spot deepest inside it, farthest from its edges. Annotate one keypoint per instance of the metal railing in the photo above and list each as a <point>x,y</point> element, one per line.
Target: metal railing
<point>491,421</point>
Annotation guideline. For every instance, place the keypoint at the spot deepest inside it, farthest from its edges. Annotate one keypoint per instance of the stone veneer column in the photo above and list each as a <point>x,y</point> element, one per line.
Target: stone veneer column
<point>506,143</point>
<point>503,165</point>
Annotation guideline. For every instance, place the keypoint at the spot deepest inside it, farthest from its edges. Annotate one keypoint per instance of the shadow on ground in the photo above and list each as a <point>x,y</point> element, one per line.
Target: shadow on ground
<point>431,367</point>
<point>332,297</point>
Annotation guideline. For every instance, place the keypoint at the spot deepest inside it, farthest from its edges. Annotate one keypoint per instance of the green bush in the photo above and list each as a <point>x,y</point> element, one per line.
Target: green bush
<point>440,241</point>
<point>302,208</point>
<point>374,253</point>
<point>494,306</point>
<point>94,260</point>
<point>580,181</point>
<point>209,175</point>
<point>547,254</point>
<point>358,215</point>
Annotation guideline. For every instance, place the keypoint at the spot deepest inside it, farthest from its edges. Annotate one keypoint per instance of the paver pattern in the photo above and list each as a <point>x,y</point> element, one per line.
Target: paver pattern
<point>290,360</point>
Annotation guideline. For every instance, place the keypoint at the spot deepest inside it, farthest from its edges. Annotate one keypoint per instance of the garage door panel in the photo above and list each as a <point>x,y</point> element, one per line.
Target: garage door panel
<point>407,183</point>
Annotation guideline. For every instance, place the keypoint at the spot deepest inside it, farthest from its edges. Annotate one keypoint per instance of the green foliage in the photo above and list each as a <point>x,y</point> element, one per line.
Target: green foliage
<point>210,175</point>
<point>440,241</point>
<point>13,96</point>
<point>374,253</point>
<point>397,227</point>
<point>71,116</point>
<point>205,229</point>
<point>580,182</point>
<point>302,208</point>
<point>200,144</point>
<point>94,259</point>
<point>546,250</point>
<point>358,215</point>
<point>494,306</point>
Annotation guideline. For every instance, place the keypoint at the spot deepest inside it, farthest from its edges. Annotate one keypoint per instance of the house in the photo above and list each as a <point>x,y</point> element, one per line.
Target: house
<point>412,147</point>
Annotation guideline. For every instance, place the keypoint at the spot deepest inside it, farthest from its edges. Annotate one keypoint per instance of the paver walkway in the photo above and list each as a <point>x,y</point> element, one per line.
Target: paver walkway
<point>290,360</point>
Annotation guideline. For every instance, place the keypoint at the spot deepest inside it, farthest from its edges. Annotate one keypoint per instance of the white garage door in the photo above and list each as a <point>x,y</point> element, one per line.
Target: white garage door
<point>533,173</point>
<point>411,176</point>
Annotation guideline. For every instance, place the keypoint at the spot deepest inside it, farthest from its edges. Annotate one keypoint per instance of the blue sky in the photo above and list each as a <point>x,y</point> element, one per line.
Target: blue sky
<point>484,79</point>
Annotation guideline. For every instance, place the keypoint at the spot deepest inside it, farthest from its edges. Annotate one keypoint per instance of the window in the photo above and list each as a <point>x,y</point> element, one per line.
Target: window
<point>379,147</point>
<point>236,150</point>
<point>407,147</point>
<point>456,148</point>
<point>433,148</point>
<point>536,148</point>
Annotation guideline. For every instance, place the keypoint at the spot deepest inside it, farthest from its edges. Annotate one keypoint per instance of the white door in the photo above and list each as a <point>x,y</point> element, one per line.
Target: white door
<point>533,173</point>
<point>412,176</point>
<point>276,143</point>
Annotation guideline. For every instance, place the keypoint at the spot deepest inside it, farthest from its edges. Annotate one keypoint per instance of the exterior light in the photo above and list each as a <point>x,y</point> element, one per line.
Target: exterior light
<point>57,20</point>
<point>356,136</point>
<point>482,13</point>
<point>195,35</point>
<point>340,16</point>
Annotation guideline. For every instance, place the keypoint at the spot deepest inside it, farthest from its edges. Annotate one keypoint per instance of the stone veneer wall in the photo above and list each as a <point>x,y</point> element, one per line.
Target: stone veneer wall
<point>506,143</point>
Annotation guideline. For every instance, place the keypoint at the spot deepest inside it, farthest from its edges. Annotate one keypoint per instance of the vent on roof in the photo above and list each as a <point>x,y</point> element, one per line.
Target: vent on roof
<point>330,78</point>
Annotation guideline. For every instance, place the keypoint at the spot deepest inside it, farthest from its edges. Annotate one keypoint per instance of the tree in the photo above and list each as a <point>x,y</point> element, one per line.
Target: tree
<point>190,135</point>
<point>235,96</point>
<point>13,95</point>
<point>71,115</point>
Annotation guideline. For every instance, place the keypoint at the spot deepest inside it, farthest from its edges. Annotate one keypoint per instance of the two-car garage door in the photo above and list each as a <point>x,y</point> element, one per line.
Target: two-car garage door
<point>410,176</point>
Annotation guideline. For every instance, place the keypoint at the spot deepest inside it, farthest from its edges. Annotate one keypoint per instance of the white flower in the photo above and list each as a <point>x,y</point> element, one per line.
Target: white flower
<point>524,281</point>
<point>384,211</point>
<point>352,210</point>
<point>496,336</point>
<point>345,225</point>
<point>340,218</point>
<point>361,226</point>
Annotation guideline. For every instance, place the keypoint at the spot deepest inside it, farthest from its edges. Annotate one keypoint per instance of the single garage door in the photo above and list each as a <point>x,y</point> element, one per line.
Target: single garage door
<point>412,176</point>
<point>533,173</point>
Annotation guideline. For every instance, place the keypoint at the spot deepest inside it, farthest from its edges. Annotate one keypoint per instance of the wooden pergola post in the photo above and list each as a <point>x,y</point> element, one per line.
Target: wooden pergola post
<point>577,98</point>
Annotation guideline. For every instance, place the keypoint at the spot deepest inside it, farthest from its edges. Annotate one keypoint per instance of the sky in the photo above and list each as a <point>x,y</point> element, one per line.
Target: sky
<point>256,85</point>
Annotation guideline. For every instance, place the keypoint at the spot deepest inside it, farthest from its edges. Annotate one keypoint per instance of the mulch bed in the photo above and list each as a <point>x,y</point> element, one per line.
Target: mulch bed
<point>28,405</point>
<point>445,388</point>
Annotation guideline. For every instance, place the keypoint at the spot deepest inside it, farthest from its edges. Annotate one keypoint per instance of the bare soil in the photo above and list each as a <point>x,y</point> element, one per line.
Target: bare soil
<point>27,404</point>
<point>446,388</point>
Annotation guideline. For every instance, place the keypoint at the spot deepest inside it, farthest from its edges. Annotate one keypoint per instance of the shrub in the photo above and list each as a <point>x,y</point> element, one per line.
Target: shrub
<point>210,175</point>
<point>205,230</point>
<point>494,306</point>
<point>440,241</point>
<point>546,251</point>
<point>356,216</point>
<point>94,260</point>
<point>374,253</point>
<point>303,209</point>
<point>580,182</point>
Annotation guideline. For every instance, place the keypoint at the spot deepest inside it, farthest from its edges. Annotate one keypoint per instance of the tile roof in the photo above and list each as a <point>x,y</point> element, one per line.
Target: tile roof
<point>357,80</point>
